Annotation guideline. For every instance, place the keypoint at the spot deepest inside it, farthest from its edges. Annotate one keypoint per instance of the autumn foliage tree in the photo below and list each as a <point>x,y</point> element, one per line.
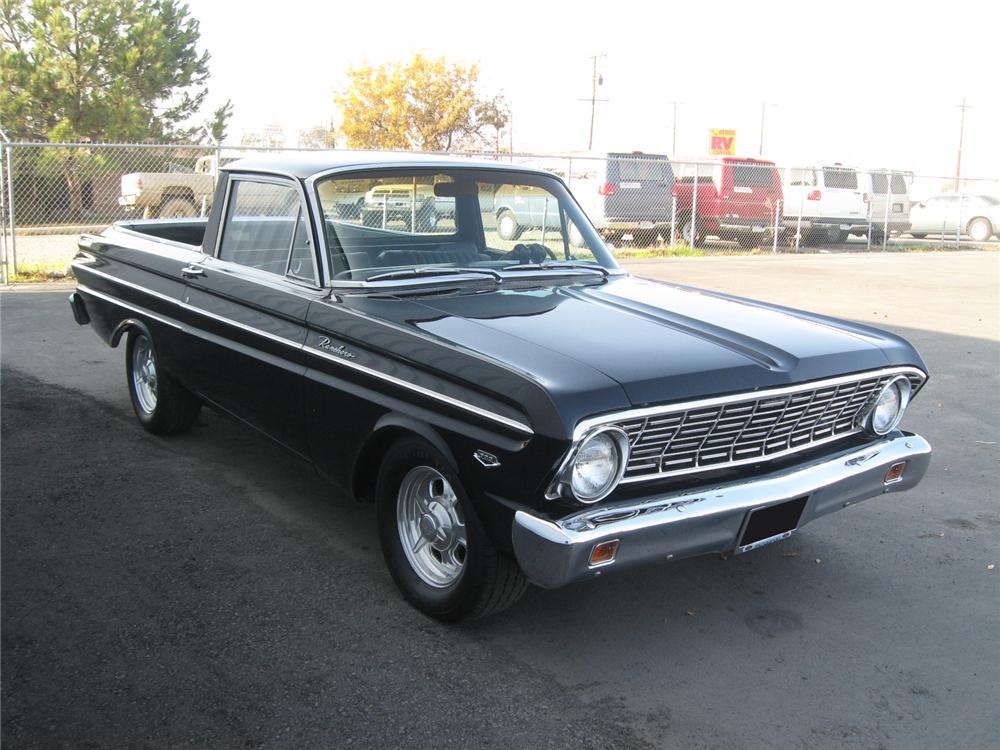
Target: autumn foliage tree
<point>423,104</point>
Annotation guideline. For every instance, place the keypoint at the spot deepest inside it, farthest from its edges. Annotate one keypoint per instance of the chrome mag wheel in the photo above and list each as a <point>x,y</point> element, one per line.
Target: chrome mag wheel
<point>144,374</point>
<point>431,527</point>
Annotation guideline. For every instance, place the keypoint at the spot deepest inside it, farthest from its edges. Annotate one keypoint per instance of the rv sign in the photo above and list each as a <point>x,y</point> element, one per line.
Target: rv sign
<point>722,142</point>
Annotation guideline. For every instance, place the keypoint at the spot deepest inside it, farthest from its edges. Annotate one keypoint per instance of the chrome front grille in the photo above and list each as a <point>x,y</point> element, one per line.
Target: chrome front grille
<point>750,429</point>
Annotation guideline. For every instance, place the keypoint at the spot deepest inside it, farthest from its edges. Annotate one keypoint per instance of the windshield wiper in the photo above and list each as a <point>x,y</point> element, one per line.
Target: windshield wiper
<point>422,272</point>
<point>558,266</point>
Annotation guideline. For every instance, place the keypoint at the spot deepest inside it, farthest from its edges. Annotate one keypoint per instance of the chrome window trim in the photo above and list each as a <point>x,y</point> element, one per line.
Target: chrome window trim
<point>457,403</point>
<point>585,427</point>
<point>274,179</point>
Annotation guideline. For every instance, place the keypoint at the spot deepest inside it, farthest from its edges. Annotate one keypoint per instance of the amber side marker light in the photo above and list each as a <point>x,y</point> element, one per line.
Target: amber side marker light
<point>895,473</point>
<point>604,553</point>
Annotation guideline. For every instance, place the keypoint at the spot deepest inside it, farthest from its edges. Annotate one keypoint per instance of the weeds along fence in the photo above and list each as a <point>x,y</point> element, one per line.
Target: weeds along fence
<point>641,203</point>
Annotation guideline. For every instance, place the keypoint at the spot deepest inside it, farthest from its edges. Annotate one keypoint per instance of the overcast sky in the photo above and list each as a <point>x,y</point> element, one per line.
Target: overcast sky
<point>867,83</point>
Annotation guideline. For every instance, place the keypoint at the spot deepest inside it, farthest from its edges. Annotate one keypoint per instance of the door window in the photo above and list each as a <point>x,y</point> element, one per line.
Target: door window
<point>266,228</point>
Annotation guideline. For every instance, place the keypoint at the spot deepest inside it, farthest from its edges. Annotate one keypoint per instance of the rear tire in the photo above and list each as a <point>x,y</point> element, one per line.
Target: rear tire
<point>507,226</point>
<point>161,404</point>
<point>688,232</point>
<point>450,569</point>
<point>979,229</point>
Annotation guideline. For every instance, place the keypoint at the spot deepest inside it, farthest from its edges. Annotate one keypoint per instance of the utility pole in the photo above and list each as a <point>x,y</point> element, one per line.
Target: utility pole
<point>673,140</point>
<point>763,109</point>
<point>595,81</point>
<point>961,136</point>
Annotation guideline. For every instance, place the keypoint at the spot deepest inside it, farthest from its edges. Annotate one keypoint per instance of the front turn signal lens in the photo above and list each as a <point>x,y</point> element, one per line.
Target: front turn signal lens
<point>895,473</point>
<point>604,553</point>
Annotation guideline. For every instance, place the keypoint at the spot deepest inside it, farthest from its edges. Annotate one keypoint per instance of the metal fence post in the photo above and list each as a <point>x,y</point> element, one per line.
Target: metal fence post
<point>871,205</point>
<point>958,224</point>
<point>673,220</point>
<point>774,234</point>
<point>888,204</point>
<point>12,270</point>
<point>798,223</point>
<point>3,213</point>
<point>694,210</point>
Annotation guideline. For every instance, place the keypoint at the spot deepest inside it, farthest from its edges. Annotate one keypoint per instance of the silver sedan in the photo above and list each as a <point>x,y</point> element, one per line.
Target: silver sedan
<point>976,216</point>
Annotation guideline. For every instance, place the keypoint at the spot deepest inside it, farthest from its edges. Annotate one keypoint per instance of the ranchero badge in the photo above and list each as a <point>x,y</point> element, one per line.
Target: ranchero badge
<point>338,349</point>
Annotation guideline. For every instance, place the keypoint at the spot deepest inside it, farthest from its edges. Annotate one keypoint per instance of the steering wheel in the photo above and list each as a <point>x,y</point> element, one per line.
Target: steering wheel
<point>529,252</point>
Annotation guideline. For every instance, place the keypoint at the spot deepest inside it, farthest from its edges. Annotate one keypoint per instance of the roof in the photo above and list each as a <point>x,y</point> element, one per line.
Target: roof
<point>303,164</point>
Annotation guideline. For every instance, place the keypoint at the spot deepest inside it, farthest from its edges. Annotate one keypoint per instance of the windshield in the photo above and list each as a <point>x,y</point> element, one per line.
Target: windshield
<point>388,221</point>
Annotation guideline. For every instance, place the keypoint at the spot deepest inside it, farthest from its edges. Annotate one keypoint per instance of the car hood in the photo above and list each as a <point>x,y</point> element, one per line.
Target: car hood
<point>661,342</point>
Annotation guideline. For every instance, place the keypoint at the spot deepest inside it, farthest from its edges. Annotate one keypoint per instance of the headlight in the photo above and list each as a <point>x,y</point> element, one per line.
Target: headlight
<point>889,406</point>
<point>598,464</point>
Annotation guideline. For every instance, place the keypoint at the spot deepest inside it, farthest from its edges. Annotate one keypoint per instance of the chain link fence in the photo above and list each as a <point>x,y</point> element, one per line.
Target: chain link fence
<point>643,204</point>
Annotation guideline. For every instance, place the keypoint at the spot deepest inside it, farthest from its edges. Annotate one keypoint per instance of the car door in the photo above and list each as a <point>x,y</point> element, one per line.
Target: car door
<point>250,299</point>
<point>939,215</point>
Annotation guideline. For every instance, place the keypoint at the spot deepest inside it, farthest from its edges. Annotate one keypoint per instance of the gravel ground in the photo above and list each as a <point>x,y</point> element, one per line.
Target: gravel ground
<point>209,591</point>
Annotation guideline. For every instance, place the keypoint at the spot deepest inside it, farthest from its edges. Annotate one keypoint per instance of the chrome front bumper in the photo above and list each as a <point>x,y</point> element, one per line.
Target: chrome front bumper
<point>709,519</point>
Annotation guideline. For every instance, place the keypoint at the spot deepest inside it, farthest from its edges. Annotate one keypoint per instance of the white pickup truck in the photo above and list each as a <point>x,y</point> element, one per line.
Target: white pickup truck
<point>171,195</point>
<point>827,203</point>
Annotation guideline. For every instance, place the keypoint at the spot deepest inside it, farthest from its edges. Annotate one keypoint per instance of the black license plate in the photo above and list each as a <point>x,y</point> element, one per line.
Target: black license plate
<point>771,524</point>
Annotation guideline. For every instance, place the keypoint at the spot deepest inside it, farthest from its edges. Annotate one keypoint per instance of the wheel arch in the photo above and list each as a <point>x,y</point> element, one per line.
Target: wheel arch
<point>390,428</point>
<point>177,191</point>
<point>125,326</point>
<point>980,217</point>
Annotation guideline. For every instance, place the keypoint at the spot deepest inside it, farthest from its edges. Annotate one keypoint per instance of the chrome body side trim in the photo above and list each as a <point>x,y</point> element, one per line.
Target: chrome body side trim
<point>708,519</point>
<point>127,305</point>
<point>413,387</point>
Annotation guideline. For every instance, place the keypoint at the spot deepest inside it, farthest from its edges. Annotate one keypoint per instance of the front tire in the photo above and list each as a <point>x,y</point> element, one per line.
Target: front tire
<point>433,542</point>
<point>161,404</point>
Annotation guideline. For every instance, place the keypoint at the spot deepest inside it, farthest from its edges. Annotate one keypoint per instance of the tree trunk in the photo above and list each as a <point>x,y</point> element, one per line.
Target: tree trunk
<point>75,191</point>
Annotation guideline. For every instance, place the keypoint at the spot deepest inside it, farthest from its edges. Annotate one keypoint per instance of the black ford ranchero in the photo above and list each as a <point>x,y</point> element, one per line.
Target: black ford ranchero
<point>453,341</point>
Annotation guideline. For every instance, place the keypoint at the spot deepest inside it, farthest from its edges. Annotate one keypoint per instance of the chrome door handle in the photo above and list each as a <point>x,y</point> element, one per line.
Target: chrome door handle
<point>190,272</point>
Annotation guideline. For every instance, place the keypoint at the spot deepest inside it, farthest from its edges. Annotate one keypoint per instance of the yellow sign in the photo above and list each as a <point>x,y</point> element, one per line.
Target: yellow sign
<point>722,142</point>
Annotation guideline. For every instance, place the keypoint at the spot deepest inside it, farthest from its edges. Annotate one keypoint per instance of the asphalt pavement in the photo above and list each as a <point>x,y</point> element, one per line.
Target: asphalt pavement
<point>209,590</point>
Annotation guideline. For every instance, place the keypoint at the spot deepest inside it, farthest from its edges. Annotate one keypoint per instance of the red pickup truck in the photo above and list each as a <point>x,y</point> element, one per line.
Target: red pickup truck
<point>737,199</point>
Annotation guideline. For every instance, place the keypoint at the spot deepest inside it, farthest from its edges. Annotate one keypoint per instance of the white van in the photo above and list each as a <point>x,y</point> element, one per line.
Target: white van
<point>826,202</point>
<point>890,203</point>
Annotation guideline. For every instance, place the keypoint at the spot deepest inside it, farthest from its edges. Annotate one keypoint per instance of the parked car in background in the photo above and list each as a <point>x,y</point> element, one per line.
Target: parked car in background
<point>827,203</point>
<point>170,195</point>
<point>975,216</point>
<point>627,196</point>
<point>516,411</point>
<point>890,202</point>
<point>737,199</point>
<point>400,205</point>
